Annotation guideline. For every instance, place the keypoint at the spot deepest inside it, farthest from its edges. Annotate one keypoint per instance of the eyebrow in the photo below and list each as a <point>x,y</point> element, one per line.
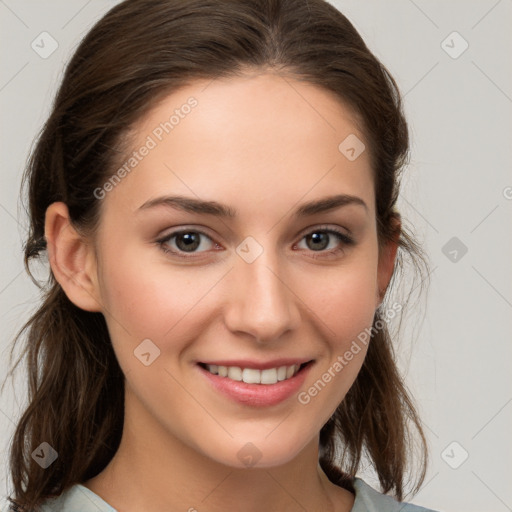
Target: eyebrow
<point>190,204</point>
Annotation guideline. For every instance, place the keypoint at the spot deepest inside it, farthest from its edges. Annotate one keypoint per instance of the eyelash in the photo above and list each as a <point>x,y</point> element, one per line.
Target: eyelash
<point>342,237</point>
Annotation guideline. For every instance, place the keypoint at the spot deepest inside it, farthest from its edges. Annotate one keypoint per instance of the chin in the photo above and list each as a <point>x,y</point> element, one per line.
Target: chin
<point>258,453</point>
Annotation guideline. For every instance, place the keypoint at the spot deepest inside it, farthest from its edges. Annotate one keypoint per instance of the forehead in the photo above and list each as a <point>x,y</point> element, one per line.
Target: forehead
<point>247,140</point>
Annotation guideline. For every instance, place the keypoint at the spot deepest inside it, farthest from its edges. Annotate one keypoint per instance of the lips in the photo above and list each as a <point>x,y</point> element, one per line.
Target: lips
<point>256,384</point>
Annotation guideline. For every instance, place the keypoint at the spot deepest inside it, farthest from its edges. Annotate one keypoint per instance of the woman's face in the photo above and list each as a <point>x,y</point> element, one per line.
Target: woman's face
<point>191,293</point>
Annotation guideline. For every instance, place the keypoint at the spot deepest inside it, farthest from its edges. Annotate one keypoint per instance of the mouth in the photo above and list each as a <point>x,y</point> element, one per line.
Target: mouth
<point>256,384</point>
<point>266,376</point>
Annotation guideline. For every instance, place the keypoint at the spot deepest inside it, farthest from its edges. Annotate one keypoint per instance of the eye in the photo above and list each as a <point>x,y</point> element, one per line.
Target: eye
<point>327,241</point>
<point>185,241</point>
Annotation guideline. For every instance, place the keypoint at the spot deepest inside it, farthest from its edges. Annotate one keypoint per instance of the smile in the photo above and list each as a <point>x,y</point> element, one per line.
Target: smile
<point>256,384</point>
<point>253,375</point>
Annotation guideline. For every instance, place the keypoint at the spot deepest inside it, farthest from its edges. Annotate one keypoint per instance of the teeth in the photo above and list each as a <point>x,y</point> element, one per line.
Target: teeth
<point>269,376</point>
<point>290,370</point>
<point>235,373</point>
<point>253,376</point>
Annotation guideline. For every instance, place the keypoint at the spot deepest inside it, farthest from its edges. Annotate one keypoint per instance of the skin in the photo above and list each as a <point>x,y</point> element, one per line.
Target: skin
<point>262,144</point>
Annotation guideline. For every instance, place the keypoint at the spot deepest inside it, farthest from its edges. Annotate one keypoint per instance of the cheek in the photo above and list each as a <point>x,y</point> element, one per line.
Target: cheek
<point>345,299</point>
<point>344,302</point>
<point>147,300</point>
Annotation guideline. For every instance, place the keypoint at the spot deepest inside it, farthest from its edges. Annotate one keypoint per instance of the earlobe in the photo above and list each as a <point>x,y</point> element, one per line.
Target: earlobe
<point>71,258</point>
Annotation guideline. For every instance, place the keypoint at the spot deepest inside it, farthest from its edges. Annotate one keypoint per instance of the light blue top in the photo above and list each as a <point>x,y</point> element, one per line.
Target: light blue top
<point>79,498</point>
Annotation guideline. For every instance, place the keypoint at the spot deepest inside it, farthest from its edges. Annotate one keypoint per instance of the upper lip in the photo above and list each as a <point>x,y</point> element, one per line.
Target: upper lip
<point>257,365</point>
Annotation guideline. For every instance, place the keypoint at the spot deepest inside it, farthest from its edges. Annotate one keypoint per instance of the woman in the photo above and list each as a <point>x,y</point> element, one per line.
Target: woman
<point>195,350</point>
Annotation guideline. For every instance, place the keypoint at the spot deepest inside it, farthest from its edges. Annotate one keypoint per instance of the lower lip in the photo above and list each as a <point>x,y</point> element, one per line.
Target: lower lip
<point>260,395</point>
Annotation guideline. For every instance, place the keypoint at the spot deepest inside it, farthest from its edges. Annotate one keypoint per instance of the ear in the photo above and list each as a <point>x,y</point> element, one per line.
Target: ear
<point>71,258</point>
<point>387,257</point>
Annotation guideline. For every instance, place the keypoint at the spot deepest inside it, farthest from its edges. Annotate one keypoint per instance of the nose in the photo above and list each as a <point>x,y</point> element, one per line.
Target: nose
<point>261,301</point>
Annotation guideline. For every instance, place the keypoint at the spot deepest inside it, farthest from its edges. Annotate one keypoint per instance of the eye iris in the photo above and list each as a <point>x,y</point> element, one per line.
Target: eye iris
<point>190,241</point>
<point>321,238</point>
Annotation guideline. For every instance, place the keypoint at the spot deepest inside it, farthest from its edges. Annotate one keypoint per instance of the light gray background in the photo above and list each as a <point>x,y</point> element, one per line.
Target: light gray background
<point>458,184</point>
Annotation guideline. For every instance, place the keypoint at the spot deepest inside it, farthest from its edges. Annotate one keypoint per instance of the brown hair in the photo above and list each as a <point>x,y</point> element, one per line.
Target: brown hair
<point>138,53</point>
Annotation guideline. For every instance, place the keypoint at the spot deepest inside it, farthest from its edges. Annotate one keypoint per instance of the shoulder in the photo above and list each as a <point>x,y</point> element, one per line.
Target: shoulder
<point>77,498</point>
<point>369,500</point>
